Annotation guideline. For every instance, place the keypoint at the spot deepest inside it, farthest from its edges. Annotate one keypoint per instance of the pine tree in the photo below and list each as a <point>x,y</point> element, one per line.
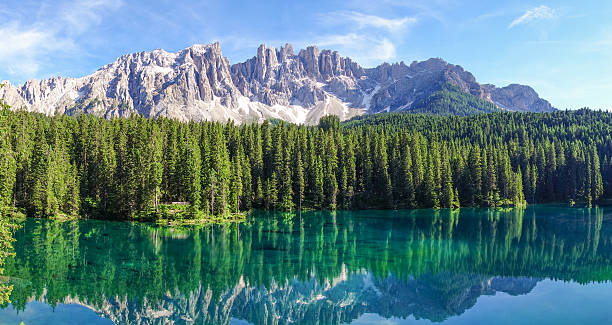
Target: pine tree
<point>191,168</point>
<point>8,170</point>
<point>298,180</point>
<point>219,173</point>
<point>380,172</point>
<point>247,184</point>
<point>126,168</point>
<point>236,183</point>
<point>430,187</point>
<point>408,181</point>
<point>271,194</point>
<point>447,197</point>
<point>330,183</point>
<point>72,201</point>
<point>349,167</point>
<point>596,181</point>
<point>37,175</point>
<point>285,183</point>
<point>474,176</point>
<point>156,167</point>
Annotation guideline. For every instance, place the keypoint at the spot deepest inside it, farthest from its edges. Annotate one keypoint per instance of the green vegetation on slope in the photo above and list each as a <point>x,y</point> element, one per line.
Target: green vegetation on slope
<point>6,239</point>
<point>7,171</point>
<point>138,167</point>
<point>450,100</point>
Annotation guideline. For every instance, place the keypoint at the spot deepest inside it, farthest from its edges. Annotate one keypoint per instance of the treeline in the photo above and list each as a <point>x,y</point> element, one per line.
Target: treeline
<point>125,168</point>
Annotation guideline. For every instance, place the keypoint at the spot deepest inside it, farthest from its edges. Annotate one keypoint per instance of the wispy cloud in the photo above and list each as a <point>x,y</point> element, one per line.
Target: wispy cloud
<point>26,47</point>
<point>339,39</point>
<point>80,15</point>
<point>361,21</point>
<point>424,9</point>
<point>367,50</point>
<point>537,13</point>
<point>369,39</point>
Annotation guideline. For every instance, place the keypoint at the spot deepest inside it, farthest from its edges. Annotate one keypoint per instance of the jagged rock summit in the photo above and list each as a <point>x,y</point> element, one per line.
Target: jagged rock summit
<point>199,83</point>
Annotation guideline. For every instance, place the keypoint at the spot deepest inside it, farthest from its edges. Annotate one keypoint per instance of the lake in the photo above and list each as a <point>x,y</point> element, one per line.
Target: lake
<point>534,265</point>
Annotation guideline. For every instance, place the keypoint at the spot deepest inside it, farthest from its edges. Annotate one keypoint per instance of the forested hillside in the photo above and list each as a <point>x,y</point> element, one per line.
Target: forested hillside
<point>136,167</point>
<point>450,100</point>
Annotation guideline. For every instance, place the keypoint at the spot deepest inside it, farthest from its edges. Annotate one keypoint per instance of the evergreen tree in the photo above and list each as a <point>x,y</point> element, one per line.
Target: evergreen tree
<point>8,170</point>
<point>298,183</point>
<point>236,183</point>
<point>130,168</point>
<point>37,175</point>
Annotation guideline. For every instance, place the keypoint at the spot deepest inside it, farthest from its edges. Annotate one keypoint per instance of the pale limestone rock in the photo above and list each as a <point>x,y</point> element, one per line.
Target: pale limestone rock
<point>198,84</point>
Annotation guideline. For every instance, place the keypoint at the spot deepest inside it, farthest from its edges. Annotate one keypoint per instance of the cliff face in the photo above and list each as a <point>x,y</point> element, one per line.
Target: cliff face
<point>518,98</point>
<point>198,83</point>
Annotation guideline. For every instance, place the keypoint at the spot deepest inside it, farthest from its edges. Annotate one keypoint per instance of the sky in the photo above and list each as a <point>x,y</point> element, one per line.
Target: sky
<point>563,49</point>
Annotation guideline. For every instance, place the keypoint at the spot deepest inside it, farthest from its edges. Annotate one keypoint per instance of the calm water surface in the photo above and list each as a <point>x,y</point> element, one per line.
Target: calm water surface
<point>538,265</point>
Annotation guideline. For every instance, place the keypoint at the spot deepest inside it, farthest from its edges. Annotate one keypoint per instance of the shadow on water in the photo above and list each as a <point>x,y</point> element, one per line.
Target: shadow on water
<point>330,267</point>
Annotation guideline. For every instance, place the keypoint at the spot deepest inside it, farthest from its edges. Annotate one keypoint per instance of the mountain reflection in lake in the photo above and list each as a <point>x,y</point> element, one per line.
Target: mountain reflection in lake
<point>466,266</point>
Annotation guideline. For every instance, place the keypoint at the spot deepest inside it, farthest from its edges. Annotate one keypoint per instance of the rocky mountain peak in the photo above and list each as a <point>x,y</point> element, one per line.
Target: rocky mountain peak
<point>199,83</point>
<point>431,64</point>
<point>518,97</point>
<point>286,52</point>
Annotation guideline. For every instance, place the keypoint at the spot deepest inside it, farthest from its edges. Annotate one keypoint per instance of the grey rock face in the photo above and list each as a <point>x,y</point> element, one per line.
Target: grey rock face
<point>518,98</point>
<point>407,84</point>
<point>198,83</point>
<point>279,77</point>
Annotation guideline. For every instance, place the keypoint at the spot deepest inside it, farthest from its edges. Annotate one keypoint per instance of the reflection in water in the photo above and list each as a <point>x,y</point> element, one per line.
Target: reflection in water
<point>330,267</point>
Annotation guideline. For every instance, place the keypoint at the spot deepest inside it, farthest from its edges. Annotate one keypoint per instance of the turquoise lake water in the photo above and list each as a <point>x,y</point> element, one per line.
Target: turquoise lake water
<point>534,265</point>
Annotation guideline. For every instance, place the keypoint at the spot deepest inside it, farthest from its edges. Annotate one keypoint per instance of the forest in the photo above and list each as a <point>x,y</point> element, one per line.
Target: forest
<point>139,168</point>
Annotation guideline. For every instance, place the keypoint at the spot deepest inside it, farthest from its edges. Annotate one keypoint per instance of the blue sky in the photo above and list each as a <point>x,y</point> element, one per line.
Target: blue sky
<point>561,48</point>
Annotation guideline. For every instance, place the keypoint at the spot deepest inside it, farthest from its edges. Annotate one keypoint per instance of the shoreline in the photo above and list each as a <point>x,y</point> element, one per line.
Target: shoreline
<point>236,218</point>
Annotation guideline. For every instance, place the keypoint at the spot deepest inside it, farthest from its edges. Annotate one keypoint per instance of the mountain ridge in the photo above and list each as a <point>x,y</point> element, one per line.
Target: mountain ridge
<point>199,83</point>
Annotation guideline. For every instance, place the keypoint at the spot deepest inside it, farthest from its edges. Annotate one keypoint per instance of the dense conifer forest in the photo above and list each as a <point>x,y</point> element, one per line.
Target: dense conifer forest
<point>450,100</point>
<point>138,167</point>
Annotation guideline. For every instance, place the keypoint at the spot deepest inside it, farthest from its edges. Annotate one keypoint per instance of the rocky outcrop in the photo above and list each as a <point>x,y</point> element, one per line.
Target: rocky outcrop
<point>518,98</point>
<point>279,77</point>
<point>198,83</point>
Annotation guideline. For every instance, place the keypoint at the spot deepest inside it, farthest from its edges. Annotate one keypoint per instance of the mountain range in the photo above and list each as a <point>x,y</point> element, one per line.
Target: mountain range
<point>199,83</point>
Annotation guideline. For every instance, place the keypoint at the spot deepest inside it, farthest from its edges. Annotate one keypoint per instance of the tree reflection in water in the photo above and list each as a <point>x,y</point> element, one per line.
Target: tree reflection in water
<point>332,266</point>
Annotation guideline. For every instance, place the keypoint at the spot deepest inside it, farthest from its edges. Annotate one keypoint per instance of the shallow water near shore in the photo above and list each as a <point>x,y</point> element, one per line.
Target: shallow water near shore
<point>542,264</point>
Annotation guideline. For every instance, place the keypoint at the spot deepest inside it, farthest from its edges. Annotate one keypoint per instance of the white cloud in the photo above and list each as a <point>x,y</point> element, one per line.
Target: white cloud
<point>427,9</point>
<point>385,50</point>
<point>390,24</point>
<point>80,15</point>
<point>361,21</point>
<point>23,48</point>
<point>537,13</point>
<point>367,50</point>
<point>369,39</point>
<point>342,39</point>
<point>26,47</point>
